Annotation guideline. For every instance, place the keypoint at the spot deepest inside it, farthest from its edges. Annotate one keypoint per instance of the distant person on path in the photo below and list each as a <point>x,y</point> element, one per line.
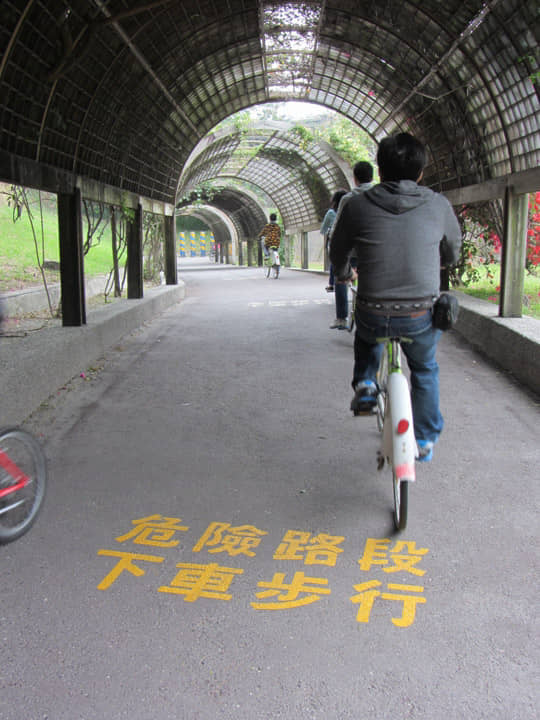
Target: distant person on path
<point>270,234</point>
<point>400,232</point>
<point>363,176</point>
<point>326,227</point>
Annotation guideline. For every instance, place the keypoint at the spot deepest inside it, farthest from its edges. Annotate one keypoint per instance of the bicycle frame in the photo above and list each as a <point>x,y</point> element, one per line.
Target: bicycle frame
<point>21,480</point>
<point>398,443</point>
<point>273,257</point>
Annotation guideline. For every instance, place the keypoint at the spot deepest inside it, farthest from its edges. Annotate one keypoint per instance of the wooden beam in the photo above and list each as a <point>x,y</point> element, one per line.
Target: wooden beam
<point>527,181</point>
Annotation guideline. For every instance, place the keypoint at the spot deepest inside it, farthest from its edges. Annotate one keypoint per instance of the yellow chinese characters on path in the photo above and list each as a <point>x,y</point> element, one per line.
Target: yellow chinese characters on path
<point>320,549</point>
<point>404,557</point>
<point>383,560</point>
<point>367,594</point>
<point>195,581</point>
<point>126,562</point>
<point>301,591</point>
<point>154,530</point>
<point>222,537</point>
<point>377,552</point>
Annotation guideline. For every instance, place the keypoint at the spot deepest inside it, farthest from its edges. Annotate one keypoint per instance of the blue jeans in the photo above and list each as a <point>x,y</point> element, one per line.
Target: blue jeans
<point>420,354</point>
<point>341,291</point>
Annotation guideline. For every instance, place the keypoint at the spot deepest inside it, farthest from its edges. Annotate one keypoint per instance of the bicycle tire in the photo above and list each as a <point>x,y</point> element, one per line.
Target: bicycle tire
<point>382,383</point>
<point>352,308</point>
<point>401,502</point>
<point>268,270</point>
<point>19,509</point>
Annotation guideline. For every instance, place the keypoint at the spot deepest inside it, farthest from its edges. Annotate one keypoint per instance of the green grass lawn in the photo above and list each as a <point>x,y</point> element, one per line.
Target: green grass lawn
<point>19,267</point>
<point>487,289</point>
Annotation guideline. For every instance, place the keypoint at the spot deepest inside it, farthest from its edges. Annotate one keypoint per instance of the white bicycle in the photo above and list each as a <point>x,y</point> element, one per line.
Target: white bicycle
<point>398,447</point>
<point>272,263</point>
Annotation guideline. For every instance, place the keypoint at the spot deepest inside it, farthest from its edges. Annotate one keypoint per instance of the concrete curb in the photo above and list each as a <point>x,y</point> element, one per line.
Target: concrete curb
<point>30,300</point>
<point>511,343</point>
<point>43,361</point>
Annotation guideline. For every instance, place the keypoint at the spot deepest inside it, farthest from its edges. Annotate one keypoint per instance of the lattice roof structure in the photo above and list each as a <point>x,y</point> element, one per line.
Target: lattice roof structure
<point>299,178</point>
<point>121,91</point>
<point>243,211</point>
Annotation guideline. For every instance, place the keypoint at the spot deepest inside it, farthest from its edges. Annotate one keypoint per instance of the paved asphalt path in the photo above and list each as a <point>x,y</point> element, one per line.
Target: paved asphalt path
<point>216,542</point>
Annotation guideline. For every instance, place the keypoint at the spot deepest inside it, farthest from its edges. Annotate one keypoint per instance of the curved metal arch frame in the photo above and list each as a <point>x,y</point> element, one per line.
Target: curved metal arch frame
<point>243,209</point>
<point>219,223</point>
<point>168,132</point>
<point>208,163</point>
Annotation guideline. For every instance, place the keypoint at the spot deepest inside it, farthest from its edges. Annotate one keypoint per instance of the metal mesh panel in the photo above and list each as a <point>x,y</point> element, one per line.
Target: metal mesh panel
<point>300,181</point>
<point>121,91</point>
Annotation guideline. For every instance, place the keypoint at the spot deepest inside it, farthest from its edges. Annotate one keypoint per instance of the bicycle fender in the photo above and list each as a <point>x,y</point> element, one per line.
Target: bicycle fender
<point>403,443</point>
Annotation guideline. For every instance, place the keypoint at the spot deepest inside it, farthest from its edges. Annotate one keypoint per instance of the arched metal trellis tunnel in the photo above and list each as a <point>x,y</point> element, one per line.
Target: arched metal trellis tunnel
<point>108,98</point>
<point>244,214</point>
<point>298,177</point>
<point>268,161</point>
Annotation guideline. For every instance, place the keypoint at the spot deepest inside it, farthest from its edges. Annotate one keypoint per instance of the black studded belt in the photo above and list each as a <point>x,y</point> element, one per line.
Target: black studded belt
<point>395,307</point>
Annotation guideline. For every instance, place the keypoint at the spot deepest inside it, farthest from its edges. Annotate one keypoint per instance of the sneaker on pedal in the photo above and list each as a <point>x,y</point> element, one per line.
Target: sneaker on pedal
<point>425,450</point>
<point>365,398</point>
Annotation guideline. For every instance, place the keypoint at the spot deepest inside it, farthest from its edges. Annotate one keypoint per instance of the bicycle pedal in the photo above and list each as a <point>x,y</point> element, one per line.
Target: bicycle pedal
<point>380,461</point>
<point>371,410</point>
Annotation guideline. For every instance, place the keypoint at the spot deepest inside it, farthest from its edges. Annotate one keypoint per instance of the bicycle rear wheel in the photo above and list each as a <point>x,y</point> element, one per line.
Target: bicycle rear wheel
<point>268,270</point>
<point>401,502</point>
<point>352,308</point>
<point>382,383</point>
<point>23,477</point>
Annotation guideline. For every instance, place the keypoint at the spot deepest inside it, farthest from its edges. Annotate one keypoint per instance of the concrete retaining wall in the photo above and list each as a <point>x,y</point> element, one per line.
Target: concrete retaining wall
<point>511,343</point>
<point>32,367</point>
<point>20,302</point>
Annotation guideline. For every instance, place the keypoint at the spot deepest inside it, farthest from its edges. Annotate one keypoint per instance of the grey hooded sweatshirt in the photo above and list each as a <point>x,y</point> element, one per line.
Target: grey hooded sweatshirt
<point>401,233</point>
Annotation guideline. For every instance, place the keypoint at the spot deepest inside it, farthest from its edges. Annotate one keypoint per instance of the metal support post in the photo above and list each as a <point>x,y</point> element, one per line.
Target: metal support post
<point>135,256</point>
<point>240,252</point>
<point>514,253</point>
<point>305,251</point>
<point>171,267</point>
<point>71,259</point>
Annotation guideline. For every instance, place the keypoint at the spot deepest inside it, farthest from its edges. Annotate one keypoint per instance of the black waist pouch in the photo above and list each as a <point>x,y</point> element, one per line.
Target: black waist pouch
<point>445,312</point>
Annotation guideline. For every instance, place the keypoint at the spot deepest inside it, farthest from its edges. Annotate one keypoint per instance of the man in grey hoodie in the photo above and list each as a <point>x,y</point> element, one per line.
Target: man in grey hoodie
<point>400,233</point>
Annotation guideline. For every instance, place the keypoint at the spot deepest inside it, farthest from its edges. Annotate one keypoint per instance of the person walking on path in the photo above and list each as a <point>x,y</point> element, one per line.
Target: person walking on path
<point>400,232</point>
<point>326,227</point>
<point>363,176</point>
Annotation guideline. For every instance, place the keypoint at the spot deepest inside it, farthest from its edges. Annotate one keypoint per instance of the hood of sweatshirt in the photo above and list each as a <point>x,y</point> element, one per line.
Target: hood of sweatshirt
<point>399,197</point>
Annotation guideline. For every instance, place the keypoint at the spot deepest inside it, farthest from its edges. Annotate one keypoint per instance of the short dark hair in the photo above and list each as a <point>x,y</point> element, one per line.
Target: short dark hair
<point>273,217</point>
<point>401,157</point>
<point>336,197</point>
<point>363,171</point>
